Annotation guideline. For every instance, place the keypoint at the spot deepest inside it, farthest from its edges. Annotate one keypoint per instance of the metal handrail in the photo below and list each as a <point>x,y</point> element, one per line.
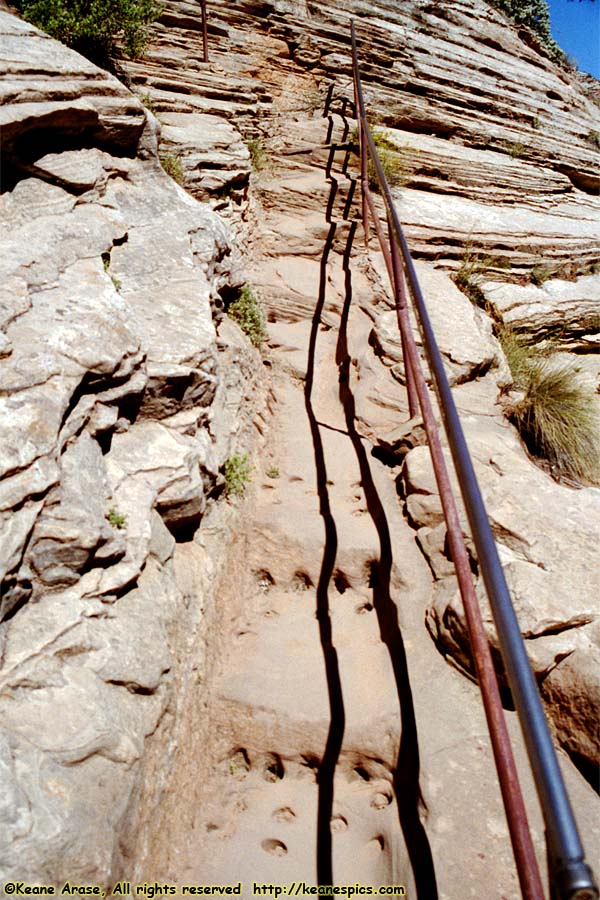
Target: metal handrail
<point>204,31</point>
<point>570,876</point>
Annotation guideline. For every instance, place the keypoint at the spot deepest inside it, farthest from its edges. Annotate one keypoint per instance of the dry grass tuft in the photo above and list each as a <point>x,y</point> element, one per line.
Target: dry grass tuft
<point>558,417</point>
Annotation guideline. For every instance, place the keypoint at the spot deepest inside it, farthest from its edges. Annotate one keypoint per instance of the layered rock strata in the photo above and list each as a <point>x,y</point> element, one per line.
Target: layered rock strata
<point>111,332</point>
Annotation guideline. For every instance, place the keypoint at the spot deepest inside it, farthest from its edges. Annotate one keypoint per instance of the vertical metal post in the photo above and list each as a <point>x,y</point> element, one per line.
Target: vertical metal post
<point>204,31</point>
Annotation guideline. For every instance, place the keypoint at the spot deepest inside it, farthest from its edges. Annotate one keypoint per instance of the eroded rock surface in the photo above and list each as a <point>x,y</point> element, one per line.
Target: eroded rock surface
<point>111,445</point>
<point>124,395</point>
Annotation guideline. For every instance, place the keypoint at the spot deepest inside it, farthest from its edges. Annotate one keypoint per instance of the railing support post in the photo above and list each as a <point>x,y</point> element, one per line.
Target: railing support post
<point>204,31</point>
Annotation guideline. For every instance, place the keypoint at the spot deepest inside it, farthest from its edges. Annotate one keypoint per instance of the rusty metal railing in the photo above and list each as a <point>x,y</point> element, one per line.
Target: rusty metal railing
<point>570,876</point>
<point>204,31</point>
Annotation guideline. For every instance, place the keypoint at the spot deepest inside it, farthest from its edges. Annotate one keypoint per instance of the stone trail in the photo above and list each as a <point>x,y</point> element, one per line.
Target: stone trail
<point>160,771</point>
<point>343,747</point>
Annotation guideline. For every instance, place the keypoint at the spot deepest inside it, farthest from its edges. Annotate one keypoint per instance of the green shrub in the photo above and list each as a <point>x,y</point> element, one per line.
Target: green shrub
<point>594,139</point>
<point>259,157</point>
<point>94,28</point>
<point>395,161</point>
<point>515,149</point>
<point>535,15</point>
<point>559,419</point>
<point>249,316</point>
<point>238,472</point>
<point>115,518</point>
<point>173,167</point>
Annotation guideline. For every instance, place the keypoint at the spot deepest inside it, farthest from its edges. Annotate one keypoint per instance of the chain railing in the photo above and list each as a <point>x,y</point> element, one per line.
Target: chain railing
<point>569,875</point>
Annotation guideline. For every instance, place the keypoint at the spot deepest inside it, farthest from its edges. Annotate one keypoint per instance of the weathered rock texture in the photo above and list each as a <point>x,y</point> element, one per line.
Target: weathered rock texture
<point>112,278</point>
<point>506,137</point>
<point>114,424</point>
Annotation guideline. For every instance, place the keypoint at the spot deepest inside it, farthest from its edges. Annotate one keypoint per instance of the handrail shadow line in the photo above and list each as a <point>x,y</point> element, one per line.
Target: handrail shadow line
<point>407,770</point>
<point>333,746</point>
<point>330,201</point>
<point>349,199</point>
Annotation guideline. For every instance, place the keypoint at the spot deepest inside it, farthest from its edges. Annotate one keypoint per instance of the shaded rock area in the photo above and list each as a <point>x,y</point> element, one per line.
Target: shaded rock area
<point>241,684</point>
<point>115,422</point>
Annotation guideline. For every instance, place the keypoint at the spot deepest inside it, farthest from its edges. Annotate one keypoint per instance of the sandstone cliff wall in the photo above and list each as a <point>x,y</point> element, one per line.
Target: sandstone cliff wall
<point>122,394</point>
<point>119,405</point>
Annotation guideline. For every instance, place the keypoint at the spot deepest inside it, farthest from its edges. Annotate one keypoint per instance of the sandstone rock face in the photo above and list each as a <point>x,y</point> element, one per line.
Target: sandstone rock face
<point>111,373</point>
<point>123,393</point>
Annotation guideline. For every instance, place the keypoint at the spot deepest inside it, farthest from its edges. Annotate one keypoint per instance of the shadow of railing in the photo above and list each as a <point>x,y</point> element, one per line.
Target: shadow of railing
<point>407,769</point>
<point>335,736</point>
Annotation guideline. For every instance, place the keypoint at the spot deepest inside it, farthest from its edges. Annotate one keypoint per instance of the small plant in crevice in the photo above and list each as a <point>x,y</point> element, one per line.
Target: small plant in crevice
<point>273,472</point>
<point>147,101</point>
<point>259,158</point>
<point>106,263</point>
<point>514,148</point>
<point>593,138</point>
<point>539,275</point>
<point>469,275</point>
<point>396,161</point>
<point>246,311</point>
<point>238,473</point>
<point>115,518</point>
<point>173,167</point>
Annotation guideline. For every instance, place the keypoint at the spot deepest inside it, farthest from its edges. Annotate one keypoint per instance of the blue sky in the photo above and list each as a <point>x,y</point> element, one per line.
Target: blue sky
<point>575,26</point>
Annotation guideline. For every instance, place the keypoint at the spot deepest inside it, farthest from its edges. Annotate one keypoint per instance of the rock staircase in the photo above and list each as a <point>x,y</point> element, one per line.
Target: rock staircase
<point>343,748</point>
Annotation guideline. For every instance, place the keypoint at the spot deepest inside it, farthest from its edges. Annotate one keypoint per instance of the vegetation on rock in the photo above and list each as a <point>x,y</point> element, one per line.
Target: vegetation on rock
<point>558,415</point>
<point>173,167</point>
<point>472,270</point>
<point>115,518</point>
<point>259,157</point>
<point>249,316</point>
<point>536,16</point>
<point>238,472</point>
<point>94,29</point>
<point>395,160</point>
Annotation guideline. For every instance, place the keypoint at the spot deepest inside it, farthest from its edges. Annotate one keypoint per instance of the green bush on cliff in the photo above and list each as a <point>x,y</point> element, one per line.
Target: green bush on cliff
<point>94,27</point>
<point>246,311</point>
<point>536,16</point>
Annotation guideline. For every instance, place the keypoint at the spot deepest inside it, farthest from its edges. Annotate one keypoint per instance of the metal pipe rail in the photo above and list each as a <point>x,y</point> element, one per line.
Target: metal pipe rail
<point>570,876</point>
